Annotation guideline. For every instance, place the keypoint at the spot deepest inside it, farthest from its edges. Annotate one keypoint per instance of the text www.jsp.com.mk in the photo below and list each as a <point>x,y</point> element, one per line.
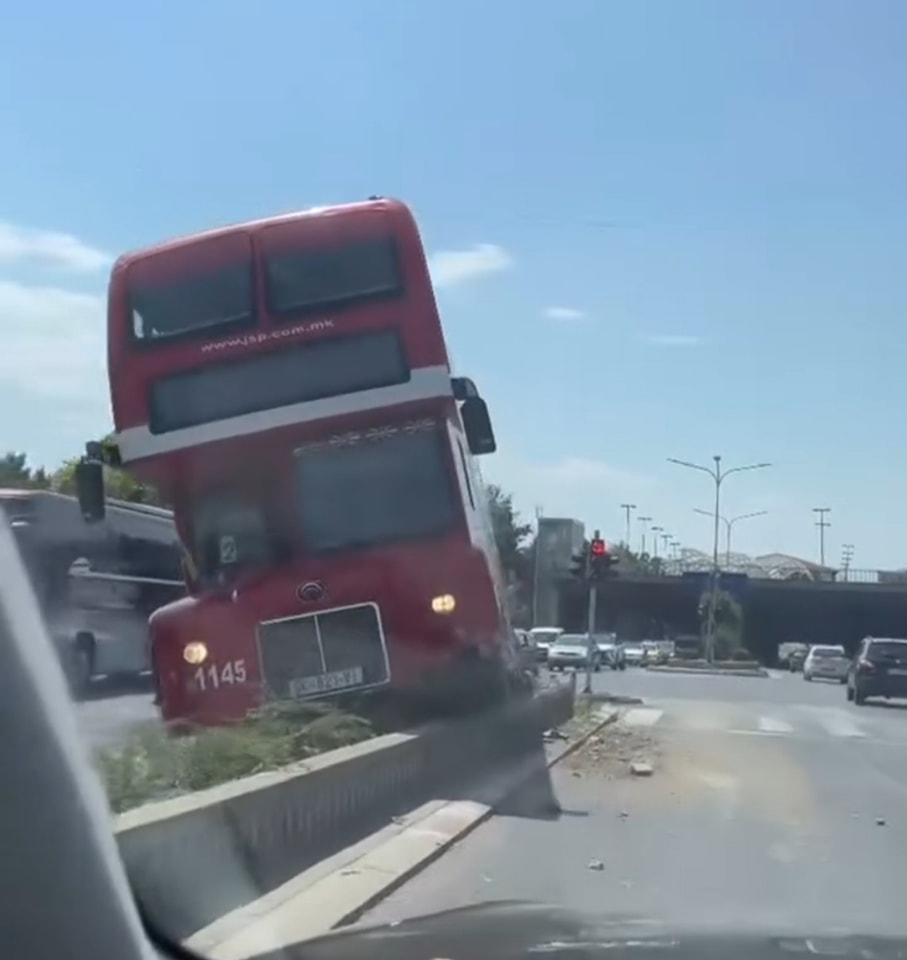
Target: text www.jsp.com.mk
<point>253,339</point>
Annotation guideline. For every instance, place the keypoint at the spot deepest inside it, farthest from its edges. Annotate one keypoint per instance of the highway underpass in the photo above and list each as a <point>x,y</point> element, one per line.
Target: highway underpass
<point>775,611</point>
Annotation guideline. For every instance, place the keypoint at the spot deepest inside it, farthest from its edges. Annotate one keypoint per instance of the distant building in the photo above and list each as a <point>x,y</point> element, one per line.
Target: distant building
<point>558,539</point>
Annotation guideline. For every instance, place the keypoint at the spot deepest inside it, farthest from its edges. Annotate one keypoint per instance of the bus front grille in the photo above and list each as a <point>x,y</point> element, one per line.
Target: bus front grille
<point>320,654</point>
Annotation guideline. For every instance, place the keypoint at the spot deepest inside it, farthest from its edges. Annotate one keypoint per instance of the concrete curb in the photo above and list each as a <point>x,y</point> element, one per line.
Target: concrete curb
<point>710,673</point>
<point>356,885</point>
<point>574,745</point>
<point>254,835</point>
<point>481,816</point>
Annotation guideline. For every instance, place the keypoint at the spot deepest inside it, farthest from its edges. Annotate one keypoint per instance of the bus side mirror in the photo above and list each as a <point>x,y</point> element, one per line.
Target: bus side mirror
<point>90,490</point>
<point>477,423</point>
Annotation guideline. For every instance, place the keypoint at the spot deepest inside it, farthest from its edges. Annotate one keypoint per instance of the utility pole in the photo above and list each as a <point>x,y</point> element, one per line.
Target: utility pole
<point>627,508</point>
<point>718,476</point>
<point>535,568</point>
<point>846,557</point>
<point>822,524</point>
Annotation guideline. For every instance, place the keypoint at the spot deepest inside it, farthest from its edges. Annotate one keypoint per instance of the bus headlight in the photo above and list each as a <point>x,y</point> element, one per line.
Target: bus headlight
<point>445,603</point>
<point>195,653</point>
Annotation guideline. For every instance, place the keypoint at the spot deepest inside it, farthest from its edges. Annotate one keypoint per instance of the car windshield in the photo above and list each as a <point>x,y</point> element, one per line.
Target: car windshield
<point>455,448</point>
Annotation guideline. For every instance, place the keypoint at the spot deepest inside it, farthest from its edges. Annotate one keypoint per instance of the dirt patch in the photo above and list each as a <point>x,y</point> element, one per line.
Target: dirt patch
<point>610,752</point>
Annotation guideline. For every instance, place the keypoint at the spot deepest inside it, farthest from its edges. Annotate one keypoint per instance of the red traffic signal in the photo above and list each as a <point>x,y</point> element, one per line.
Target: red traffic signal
<point>598,548</point>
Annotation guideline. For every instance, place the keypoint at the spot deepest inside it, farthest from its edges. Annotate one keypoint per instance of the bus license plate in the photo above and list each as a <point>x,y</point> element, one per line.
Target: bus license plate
<point>326,682</point>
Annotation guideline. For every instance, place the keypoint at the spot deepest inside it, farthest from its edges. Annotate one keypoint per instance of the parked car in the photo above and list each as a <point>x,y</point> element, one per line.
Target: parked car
<point>542,638</point>
<point>826,662</point>
<point>633,654</point>
<point>574,651</point>
<point>878,670</point>
<point>796,659</point>
<point>611,650</point>
<point>654,653</point>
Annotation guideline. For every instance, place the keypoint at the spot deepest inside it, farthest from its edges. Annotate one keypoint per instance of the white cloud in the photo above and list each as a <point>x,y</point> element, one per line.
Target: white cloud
<point>565,314</point>
<point>585,488</point>
<point>672,340</point>
<point>48,248</point>
<point>451,267</point>
<point>53,342</point>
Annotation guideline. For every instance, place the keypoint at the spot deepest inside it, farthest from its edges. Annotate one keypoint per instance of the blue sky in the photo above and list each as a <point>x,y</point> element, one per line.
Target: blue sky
<point>659,228</point>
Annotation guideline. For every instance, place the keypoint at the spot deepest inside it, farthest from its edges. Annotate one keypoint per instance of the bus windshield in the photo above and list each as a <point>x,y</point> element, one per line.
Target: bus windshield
<point>233,534</point>
<point>375,486</point>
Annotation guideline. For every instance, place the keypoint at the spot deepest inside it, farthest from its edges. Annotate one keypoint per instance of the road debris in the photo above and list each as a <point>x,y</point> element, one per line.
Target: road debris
<point>640,768</point>
<point>595,865</point>
<point>610,752</point>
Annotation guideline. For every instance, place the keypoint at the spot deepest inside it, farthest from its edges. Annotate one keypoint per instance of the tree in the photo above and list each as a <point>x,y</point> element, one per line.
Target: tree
<point>728,623</point>
<point>15,472</point>
<point>509,533</point>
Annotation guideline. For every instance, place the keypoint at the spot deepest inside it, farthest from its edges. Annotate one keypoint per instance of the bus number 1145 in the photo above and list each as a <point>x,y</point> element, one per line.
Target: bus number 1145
<point>211,676</point>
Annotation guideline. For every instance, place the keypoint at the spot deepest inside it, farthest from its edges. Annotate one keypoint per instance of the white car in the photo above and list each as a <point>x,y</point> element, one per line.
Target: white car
<point>633,654</point>
<point>826,662</point>
<point>542,639</point>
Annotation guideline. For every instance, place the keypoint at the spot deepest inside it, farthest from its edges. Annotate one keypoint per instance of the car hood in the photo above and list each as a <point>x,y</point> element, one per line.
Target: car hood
<point>520,931</point>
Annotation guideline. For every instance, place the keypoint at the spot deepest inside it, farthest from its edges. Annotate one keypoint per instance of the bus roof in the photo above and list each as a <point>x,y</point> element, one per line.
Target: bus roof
<point>376,204</point>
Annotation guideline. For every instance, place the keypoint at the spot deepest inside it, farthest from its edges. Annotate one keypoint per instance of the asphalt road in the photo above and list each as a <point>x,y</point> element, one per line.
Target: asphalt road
<point>773,804</point>
<point>111,714</point>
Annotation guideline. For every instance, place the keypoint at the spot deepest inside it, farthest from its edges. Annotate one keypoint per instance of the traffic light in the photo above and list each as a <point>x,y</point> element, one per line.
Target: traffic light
<point>601,560</point>
<point>579,566</point>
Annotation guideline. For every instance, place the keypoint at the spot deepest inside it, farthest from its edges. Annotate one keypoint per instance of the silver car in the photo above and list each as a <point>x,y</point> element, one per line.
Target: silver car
<point>573,650</point>
<point>826,662</point>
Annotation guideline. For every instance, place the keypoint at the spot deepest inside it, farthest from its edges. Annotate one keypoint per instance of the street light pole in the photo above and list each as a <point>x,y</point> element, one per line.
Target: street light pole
<point>822,523</point>
<point>627,508</point>
<point>643,521</point>
<point>655,532</point>
<point>729,526</point>
<point>718,476</point>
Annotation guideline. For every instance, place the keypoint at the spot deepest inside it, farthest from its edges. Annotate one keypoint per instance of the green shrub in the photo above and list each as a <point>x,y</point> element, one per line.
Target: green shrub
<point>154,765</point>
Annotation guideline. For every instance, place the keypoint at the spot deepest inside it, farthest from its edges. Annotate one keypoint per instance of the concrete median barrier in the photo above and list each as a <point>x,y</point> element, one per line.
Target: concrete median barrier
<point>194,858</point>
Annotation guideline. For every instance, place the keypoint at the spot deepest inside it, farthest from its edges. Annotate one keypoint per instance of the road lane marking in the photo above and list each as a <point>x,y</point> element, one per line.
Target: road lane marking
<point>642,717</point>
<point>836,722</point>
<point>774,725</point>
<point>707,717</point>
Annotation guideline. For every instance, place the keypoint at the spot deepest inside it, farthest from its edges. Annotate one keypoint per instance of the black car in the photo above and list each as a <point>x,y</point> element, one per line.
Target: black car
<point>878,670</point>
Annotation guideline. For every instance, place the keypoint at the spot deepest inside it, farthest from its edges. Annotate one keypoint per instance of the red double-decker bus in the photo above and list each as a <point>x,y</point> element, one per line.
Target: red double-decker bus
<point>286,386</point>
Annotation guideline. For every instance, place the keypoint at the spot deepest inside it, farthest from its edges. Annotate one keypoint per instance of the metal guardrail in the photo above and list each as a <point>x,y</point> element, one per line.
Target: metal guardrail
<point>670,571</point>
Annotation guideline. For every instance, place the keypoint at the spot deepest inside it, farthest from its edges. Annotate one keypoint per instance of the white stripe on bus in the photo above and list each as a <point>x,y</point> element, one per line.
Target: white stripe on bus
<point>425,383</point>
